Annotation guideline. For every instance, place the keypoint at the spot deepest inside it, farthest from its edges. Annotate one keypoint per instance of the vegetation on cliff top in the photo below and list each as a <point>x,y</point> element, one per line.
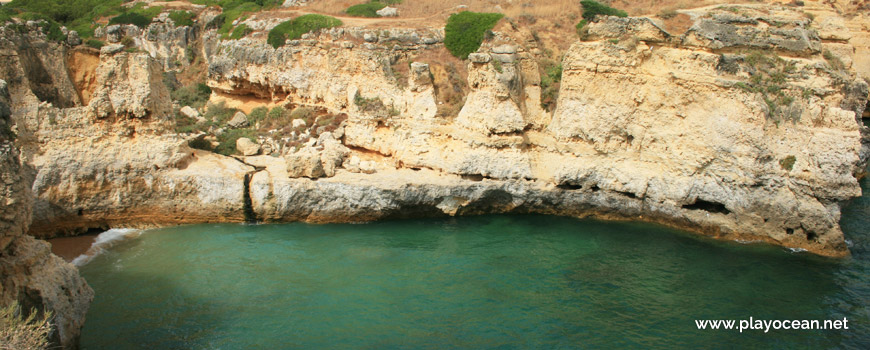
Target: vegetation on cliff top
<point>294,28</point>
<point>78,15</point>
<point>593,8</point>
<point>465,31</point>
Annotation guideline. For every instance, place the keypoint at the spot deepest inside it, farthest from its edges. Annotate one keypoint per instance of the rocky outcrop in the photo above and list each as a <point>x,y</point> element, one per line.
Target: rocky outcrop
<point>116,161</point>
<point>34,67</point>
<point>320,70</point>
<point>750,133</point>
<point>682,130</point>
<point>29,273</point>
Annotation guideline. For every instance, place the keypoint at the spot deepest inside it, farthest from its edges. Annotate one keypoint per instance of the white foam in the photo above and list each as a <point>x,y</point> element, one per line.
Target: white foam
<point>797,250</point>
<point>104,241</point>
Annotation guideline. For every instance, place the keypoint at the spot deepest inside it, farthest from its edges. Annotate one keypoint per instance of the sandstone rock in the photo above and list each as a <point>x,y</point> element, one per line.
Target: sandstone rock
<point>111,49</point>
<point>351,164</point>
<point>505,49</point>
<point>333,153</point>
<point>729,31</point>
<point>619,27</point>
<point>664,133</point>
<point>73,38</point>
<point>239,120</point>
<point>129,85</point>
<point>247,147</point>
<point>388,12</point>
<point>298,123</point>
<point>367,167</point>
<point>114,33</point>
<point>305,163</point>
<point>292,3</point>
<point>29,273</point>
<point>479,57</point>
<point>420,76</point>
<point>189,112</point>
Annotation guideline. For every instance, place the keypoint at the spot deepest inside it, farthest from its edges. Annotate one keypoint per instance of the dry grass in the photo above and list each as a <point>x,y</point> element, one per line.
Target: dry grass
<point>442,8</point>
<point>541,9</point>
<point>449,75</point>
<point>24,332</point>
<point>653,7</point>
<point>678,24</point>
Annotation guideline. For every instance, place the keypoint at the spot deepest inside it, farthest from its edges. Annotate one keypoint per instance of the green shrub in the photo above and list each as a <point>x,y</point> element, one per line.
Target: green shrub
<point>304,113</point>
<point>200,143</point>
<point>294,28</point>
<point>185,124</point>
<point>365,10</point>
<point>240,32</point>
<point>228,139</point>
<point>551,77</point>
<point>194,95</point>
<point>182,18</point>
<point>218,114</point>
<point>78,15</point>
<point>65,11</point>
<point>465,31</point>
<point>133,18</point>
<point>230,15</point>
<point>97,44</point>
<point>787,163</point>
<point>593,8</point>
<point>258,114</point>
<point>391,2</point>
<point>277,112</point>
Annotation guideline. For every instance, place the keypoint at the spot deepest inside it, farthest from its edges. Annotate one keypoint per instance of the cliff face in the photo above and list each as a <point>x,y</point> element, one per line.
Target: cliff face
<point>744,127</point>
<point>29,273</point>
<point>737,128</point>
<point>116,161</point>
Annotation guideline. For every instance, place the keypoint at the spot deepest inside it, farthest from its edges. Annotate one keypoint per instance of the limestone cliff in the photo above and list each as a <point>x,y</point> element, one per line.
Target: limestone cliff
<point>29,273</point>
<point>115,161</point>
<point>737,128</point>
<point>743,127</point>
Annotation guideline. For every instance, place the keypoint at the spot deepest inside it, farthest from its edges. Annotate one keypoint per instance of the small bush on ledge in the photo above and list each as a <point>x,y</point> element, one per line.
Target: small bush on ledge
<point>593,8</point>
<point>465,31</point>
<point>294,28</point>
<point>182,18</point>
<point>365,10</point>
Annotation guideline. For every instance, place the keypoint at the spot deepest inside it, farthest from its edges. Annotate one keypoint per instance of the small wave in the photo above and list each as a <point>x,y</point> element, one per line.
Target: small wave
<point>797,250</point>
<point>104,241</point>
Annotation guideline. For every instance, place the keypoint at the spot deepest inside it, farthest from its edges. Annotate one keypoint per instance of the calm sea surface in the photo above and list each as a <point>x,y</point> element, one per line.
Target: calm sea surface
<point>507,282</point>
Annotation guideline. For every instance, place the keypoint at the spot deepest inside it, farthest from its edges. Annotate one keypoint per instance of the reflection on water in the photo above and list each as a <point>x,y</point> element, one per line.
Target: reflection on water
<point>512,282</point>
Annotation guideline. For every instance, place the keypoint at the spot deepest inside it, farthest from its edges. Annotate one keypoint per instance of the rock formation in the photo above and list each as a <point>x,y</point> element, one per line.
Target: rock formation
<point>708,130</point>
<point>29,273</point>
<point>747,126</point>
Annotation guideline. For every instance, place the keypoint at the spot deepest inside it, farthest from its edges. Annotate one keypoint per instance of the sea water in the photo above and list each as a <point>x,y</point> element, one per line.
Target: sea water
<point>500,281</point>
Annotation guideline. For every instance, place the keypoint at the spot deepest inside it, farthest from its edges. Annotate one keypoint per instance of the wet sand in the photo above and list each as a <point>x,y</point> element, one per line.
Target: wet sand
<point>69,248</point>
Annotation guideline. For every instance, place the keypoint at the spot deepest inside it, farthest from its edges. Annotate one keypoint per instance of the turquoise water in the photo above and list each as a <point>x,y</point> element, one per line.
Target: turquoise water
<point>506,282</point>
